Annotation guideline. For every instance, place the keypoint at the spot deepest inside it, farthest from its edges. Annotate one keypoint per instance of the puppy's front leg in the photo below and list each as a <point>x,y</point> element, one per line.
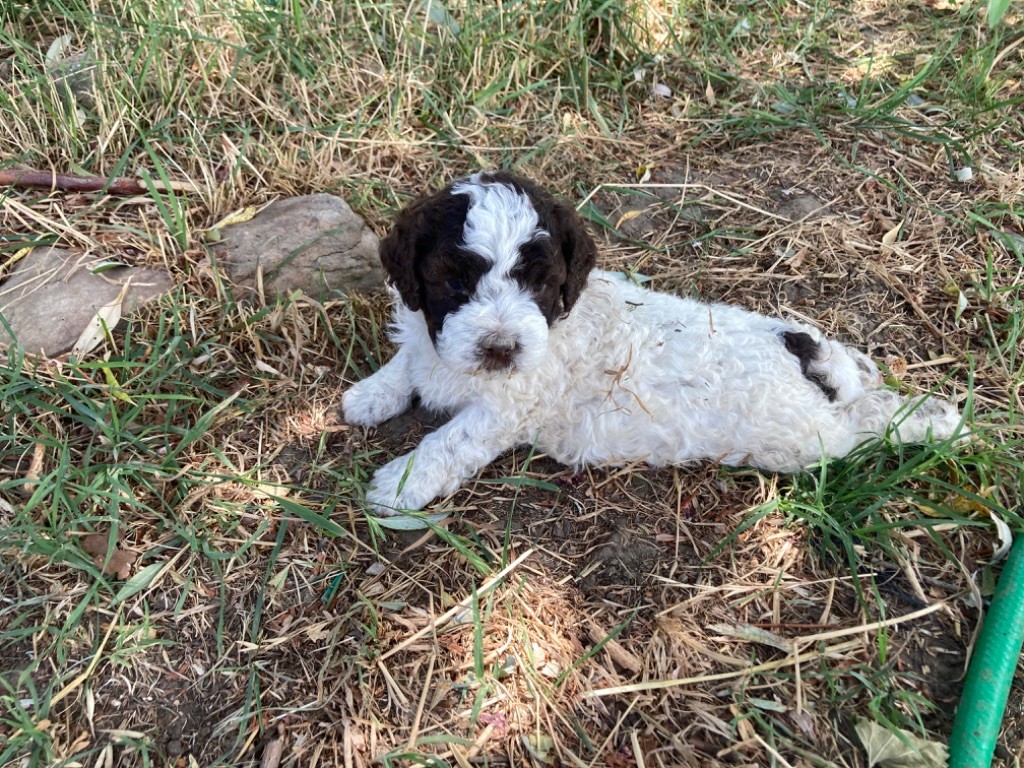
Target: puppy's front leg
<point>381,396</point>
<point>455,452</point>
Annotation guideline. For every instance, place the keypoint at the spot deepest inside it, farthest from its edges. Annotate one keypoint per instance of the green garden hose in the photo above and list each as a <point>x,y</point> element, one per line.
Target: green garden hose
<point>991,672</point>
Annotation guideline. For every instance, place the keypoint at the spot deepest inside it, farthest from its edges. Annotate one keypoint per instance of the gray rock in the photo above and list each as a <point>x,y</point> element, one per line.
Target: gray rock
<point>804,206</point>
<point>50,297</point>
<point>313,243</point>
<point>77,79</point>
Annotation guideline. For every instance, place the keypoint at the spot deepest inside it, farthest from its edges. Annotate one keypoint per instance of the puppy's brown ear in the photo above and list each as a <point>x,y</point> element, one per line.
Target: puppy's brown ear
<point>398,255</point>
<point>410,239</point>
<point>419,230</point>
<point>578,250</point>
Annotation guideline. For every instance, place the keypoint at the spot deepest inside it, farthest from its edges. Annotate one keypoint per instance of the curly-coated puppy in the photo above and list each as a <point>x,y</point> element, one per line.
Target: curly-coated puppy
<point>503,321</point>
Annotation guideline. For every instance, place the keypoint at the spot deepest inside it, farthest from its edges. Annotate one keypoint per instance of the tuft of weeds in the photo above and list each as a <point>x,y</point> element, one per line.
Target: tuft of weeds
<point>857,507</point>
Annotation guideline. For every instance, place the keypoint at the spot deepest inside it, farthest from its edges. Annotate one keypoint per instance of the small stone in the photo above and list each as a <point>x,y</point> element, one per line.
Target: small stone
<point>51,297</point>
<point>175,748</point>
<point>76,78</point>
<point>963,175</point>
<point>798,207</point>
<point>312,243</point>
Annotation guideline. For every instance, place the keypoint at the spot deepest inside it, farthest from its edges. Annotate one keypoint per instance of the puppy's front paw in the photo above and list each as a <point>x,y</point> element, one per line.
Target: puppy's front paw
<point>368,403</point>
<point>398,486</point>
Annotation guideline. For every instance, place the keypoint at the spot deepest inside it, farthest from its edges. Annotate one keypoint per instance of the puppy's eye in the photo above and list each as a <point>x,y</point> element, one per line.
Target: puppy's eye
<point>455,286</point>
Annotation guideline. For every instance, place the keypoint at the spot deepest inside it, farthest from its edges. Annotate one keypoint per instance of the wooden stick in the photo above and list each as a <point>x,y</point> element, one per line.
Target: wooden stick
<point>656,685</point>
<point>68,182</point>
<point>613,648</point>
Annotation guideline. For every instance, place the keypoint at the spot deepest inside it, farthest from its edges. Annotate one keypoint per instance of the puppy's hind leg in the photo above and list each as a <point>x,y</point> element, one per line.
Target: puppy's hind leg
<point>381,396</point>
<point>914,421</point>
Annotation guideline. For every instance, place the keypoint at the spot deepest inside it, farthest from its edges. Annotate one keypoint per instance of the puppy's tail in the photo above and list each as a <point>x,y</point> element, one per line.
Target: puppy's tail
<point>916,420</point>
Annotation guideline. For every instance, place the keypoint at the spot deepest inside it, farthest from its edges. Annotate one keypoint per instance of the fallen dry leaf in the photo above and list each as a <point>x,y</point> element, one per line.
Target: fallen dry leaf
<point>616,760</point>
<point>1005,537</point>
<point>95,544</point>
<point>890,237</point>
<point>35,470</point>
<point>540,746</point>
<point>899,750</point>
<point>120,560</point>
<point>8,264</point>
<point>628,216</point>
<point>102,322</point>
<point>753,635</point>
<point>897,366</point>
<point>238,217</point>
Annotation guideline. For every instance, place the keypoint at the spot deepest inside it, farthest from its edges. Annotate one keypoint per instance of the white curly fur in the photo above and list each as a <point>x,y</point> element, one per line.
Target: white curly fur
<point>629,374</point>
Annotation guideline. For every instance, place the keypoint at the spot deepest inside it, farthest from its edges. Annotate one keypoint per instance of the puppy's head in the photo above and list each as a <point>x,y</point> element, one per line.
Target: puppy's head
<point>492,261</point>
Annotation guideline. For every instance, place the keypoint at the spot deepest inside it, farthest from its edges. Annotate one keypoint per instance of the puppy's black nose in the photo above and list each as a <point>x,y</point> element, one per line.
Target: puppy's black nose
<point>498,352</point>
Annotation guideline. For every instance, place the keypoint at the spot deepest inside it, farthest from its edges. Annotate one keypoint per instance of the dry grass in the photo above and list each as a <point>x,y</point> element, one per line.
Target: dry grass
<point>621,617</point>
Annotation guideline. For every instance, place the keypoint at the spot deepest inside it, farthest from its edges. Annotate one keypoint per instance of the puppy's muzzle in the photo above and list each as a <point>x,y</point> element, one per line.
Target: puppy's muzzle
<point>498,352</point>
